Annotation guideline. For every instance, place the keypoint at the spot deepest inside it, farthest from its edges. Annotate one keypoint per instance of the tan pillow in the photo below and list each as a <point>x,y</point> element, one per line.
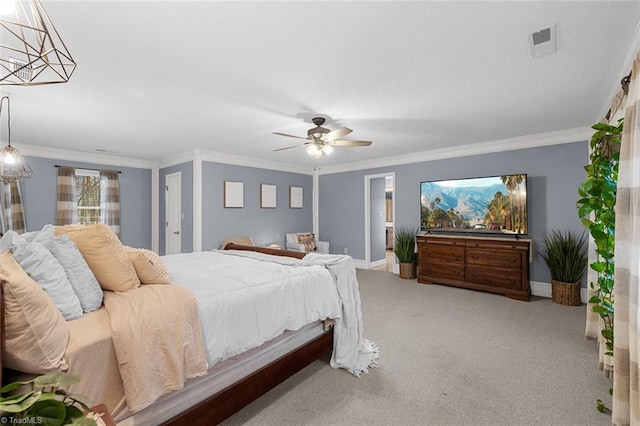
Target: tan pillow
<point>148,265</point>
<point>308,240</point>
<point>36,334</point>
<point>104,254</point>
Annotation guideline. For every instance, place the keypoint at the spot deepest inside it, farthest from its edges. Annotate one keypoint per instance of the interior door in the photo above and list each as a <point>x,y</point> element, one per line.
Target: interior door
<point>173,213</point>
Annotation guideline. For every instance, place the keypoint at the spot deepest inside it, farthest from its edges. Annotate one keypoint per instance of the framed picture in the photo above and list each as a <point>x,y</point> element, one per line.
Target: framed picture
<point>267,196</point>
<point>295,197</point>
<point>233,194</point>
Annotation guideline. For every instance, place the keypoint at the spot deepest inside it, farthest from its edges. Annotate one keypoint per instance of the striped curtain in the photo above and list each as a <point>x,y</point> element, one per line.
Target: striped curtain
<point>12,210</point>
<point>66,207</point>
<point>626,409</point>
<point>110,200</point>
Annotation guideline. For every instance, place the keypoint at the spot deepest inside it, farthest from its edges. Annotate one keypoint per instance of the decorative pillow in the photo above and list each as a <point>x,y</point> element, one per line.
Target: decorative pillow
<point>308,240</point>
<point>148,266</point>
<point>43,268</point>
<point>84,283</point>
<point>104,254</point>
<point>36,334</point>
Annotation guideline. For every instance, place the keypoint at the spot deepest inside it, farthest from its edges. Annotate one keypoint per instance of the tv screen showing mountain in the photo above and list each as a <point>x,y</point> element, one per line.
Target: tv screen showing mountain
<point>495,204</point>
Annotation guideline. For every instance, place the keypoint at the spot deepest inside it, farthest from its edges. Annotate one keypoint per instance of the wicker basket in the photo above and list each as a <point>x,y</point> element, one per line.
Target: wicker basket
<point>566,293</point>
<point>407,271</point>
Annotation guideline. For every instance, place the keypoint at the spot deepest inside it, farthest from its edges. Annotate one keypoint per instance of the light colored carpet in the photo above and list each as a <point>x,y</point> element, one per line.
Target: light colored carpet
<point>450,356</point>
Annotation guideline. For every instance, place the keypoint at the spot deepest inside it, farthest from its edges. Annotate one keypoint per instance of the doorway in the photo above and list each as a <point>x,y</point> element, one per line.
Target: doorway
<point>173,213</point>
<point>379,221</point>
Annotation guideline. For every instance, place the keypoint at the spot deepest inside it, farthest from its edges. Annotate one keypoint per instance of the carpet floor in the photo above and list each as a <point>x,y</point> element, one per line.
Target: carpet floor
<point>450,356</point>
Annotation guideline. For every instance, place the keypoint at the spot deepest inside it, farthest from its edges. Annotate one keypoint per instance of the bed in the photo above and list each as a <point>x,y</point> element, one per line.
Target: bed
<point>246,368</point>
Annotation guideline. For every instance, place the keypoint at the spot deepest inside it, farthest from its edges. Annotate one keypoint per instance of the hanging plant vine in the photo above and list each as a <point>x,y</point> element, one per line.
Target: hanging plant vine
<point>598,193</point>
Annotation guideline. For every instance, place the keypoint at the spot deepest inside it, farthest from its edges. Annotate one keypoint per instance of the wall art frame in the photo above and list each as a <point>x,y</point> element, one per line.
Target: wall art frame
<point>233,194</point>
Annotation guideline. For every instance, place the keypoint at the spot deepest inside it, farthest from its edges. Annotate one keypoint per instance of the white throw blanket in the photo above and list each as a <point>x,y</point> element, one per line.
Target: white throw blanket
<point>350,350</point>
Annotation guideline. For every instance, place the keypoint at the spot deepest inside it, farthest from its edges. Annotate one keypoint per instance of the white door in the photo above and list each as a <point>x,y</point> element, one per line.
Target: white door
<point>173,213</point>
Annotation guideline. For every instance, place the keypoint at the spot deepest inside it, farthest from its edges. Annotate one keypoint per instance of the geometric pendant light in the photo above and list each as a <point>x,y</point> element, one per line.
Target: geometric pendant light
<point>31,50</point>
<point>12,165</point>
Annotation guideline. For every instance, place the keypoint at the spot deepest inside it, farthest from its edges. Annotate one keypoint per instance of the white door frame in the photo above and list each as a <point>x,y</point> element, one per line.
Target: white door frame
<point>367,212</point>
<point>166,211</point>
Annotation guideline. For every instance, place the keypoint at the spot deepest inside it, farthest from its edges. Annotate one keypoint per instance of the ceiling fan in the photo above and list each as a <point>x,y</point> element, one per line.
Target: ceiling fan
<point>321,140</point>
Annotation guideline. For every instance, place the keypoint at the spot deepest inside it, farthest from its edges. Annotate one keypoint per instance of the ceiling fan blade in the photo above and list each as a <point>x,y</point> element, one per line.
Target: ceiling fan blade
<point>335,134</point>
<point>343,142</point>
<point>289,147</point>
<point>290,136</point>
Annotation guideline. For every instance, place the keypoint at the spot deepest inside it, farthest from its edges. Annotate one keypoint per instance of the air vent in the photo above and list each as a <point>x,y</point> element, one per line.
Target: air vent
<point>21,69</point>
<point>543,42</point>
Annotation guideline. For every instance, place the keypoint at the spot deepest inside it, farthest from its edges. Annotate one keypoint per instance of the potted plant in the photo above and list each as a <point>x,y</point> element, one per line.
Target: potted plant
<point>45,402</point>
<point>404,248</point>
<point>565,254</point>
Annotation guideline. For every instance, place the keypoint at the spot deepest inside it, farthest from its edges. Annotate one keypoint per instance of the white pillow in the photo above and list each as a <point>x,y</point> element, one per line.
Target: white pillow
<point>43,268</point>
<point>84,283</point>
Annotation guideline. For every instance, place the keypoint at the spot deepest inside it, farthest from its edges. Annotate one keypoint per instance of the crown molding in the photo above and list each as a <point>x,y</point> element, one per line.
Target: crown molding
<point>185,157</point>
<point>240,160</point>
<point>82,157</point>
<point>578,134</point>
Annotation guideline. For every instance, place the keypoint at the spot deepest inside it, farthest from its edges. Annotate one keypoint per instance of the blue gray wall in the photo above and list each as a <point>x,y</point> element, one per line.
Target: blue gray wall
<point>39,198</point>
<point>554,174</point>
<point>265,226</point>
<point>186,200</point>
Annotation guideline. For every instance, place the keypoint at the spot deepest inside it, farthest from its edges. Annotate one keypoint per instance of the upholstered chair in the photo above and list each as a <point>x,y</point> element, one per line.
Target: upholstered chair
<point>306,242</point>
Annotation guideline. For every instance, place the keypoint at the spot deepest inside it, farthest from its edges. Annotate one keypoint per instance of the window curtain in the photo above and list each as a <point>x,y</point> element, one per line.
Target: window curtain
<point>626,403</point>
<point>66,208</point>
<point>110,200</point>
<point>12,210</point>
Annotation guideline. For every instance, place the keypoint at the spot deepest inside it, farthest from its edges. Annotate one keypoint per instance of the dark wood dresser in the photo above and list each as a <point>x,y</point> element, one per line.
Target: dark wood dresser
<point>498,265</point>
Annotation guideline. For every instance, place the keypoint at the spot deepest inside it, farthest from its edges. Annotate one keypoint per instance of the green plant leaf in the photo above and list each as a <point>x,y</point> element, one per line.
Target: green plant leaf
<point>595,299</point>
<point>50,412</point>
<point>56,379</point>
<point>19,403</point>
<point>14,385</point>
<point>72,414</point>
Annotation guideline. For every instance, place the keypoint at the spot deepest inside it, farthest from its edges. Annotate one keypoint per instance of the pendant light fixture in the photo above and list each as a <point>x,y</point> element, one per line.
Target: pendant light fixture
<point>31,50</point>
<point>12,165</point>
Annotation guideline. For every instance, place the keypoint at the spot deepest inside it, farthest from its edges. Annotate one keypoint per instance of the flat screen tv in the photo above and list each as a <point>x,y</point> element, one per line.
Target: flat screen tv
<point>493,204</point>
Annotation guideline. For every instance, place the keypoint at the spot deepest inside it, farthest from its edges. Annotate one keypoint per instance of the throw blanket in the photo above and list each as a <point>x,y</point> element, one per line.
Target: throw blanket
<point>350,350</point>
<point>157,358</point>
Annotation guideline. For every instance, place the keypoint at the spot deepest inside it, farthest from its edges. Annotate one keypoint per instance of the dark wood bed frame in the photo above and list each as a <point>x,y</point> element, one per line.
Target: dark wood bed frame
<point>230,400</point>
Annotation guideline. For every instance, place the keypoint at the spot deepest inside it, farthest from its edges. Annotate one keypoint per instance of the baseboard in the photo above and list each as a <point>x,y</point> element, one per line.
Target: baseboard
<point>541,289</point>
<point>362,264</point>
<point>377,263</point>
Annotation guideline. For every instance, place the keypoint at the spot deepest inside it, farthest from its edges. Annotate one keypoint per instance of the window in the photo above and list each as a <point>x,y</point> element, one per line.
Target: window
<point>87,195</point>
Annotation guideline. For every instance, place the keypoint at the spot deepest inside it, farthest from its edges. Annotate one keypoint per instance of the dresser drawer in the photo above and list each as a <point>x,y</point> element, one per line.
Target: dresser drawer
<point>494,258</point>
<point>443,253</point>
<point>442,270</point>
<point>494,277</point>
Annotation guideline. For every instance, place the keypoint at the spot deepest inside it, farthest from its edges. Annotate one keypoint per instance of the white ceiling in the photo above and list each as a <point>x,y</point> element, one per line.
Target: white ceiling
<point>159,78</point>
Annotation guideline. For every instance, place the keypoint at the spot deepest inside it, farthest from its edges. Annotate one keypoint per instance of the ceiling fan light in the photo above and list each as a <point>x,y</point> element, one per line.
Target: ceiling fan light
<point>315,151</point>
<point>327,149</point>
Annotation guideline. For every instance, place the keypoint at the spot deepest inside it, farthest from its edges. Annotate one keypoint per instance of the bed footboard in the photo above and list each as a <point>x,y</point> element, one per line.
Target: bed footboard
<point>230,400</point>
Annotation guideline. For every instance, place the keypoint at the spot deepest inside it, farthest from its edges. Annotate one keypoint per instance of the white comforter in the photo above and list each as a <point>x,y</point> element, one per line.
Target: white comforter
<point>246,301</point>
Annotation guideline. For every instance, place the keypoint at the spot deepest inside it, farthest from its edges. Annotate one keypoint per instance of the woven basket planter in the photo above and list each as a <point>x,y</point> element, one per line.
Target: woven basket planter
<point>566,293</point>
<point>407,271</point>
